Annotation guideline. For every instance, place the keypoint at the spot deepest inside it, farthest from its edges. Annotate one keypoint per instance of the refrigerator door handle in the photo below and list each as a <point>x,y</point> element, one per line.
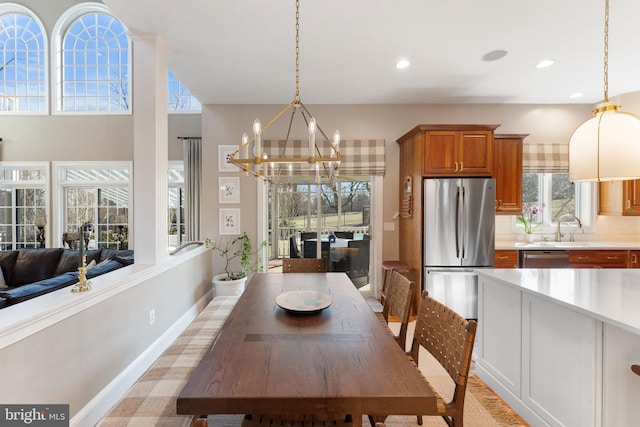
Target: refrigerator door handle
<point>458,223</point>
<point>462,222</point>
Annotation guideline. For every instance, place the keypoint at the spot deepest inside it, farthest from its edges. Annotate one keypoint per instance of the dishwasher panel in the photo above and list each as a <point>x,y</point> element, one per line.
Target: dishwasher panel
<point>545,259</point>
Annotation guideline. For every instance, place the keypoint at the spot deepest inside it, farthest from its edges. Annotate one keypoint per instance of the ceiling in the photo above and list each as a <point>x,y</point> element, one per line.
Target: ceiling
<point>243,51</point>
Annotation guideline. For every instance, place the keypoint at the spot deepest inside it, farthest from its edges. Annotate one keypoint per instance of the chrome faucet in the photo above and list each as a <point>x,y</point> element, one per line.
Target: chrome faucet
<point>559,234</point>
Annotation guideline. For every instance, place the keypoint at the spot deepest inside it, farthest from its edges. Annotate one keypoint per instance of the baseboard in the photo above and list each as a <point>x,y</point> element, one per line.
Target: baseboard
<point>97,407</point>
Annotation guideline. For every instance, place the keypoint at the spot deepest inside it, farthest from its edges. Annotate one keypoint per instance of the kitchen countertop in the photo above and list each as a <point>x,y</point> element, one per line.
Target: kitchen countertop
<point>609,295</point>
<point>578,245</point>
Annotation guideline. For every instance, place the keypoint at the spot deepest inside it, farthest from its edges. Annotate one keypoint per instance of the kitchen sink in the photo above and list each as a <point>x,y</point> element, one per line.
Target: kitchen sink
<point>565,245</point>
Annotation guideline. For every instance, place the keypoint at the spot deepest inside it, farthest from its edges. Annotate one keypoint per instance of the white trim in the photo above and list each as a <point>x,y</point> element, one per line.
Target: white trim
<point>17,8</point>
<point>97,407</point>
<point>377,231</point>
<point>61,26</point>
<point>58,184</point>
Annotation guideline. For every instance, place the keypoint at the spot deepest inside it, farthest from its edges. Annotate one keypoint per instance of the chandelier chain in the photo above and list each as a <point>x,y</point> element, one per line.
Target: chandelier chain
<point>297,98</point>
<point>606,51</point>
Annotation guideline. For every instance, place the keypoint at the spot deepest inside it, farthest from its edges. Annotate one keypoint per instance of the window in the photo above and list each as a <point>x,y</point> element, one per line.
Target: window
<point>98,194</point>
<point>180,98</point>
<point>23,205</point>
<point>176,204</point>
<point>23,67</point>
<point>558,198</point>
<point>93,58</point>
<point>293,208</point>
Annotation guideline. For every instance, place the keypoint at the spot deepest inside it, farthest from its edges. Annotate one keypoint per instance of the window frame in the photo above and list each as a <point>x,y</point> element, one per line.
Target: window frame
<point>13,8</point>
<point>586,202</point>
<point>57,64</point>
<point>18,184</point>
<point>60,184</point>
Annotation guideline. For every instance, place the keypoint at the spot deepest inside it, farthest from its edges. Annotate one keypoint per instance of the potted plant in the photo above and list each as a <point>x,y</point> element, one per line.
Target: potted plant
<point>529,214</point>
<point>240,260</point>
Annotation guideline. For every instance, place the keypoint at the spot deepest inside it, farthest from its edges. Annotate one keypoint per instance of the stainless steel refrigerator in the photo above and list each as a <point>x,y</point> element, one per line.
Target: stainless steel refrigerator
<point>459,230</point>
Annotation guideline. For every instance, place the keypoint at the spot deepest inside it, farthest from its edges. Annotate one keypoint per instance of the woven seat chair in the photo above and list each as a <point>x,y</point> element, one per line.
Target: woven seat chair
<point>304,265</point>
<point>398,301</point>
<point>449,338</point>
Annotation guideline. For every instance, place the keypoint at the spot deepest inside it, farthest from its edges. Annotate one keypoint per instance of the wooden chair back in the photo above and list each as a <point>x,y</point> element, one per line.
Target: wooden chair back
<point>304,265</point>
<point>399,295</point>
<point>449,338</point>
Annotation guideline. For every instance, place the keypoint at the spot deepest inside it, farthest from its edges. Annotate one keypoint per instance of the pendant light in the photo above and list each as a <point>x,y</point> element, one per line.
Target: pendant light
<point>258,163</point>
<point>607,146</point>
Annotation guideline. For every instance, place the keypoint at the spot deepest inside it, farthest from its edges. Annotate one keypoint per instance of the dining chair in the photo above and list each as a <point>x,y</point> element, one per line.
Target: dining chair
<point>449,338</point>
<point>309,249</point>
<point>343,234</point>
<point>306,235</point>
<point>398,301</point>
<point>294,251</point>
<point>304,265</point>
<point>360,262</point>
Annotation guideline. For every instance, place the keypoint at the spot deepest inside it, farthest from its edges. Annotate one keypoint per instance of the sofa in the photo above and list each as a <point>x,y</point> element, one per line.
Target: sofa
<point>28,273</point>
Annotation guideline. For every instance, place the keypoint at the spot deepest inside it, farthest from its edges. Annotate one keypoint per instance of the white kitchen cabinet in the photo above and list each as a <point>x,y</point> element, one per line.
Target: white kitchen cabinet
<point>499,334</point>
<point>559,366</point>
<point>621,385</point>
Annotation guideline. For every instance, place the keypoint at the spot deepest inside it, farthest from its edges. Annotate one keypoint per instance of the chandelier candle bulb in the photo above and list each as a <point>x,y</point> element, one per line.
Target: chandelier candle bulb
<point>312,136</point>
<point>257,130</point>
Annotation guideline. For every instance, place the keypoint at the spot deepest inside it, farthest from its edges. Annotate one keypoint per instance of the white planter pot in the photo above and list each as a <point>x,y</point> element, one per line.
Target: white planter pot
<point>224,287</point>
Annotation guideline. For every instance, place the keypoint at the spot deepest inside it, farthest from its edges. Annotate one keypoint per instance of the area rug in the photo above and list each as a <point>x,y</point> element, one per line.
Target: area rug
<point>482,407</point>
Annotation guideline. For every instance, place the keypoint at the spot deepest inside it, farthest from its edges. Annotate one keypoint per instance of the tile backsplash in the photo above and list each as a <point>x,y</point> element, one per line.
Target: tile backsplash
<point>608,228</point>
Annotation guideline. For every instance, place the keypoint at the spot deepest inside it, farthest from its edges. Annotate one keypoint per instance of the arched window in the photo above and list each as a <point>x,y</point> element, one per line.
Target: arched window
<point>92,58</point>
<point>23,76</point>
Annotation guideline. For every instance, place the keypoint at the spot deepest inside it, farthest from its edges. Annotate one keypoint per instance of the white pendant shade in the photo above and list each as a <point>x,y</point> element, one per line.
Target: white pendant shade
<point>606,147</point>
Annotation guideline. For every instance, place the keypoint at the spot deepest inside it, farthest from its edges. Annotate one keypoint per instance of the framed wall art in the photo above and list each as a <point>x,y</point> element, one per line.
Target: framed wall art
<point>229,221</point>
<point>224,151</point>
<point>228,190</point>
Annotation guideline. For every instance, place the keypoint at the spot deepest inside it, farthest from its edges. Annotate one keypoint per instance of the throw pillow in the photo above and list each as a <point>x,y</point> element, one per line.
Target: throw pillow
<point>2,282</point>
<point>91,265</point>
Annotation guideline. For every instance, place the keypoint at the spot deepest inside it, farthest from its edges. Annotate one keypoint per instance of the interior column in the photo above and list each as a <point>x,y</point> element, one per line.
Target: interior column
<point>150,154</point>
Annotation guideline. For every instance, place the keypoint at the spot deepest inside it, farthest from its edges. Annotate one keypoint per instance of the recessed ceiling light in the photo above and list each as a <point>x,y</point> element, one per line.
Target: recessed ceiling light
<point>402,64</point>
<point>546,63</point>
<point>576,95</point>
<point>494,55</point>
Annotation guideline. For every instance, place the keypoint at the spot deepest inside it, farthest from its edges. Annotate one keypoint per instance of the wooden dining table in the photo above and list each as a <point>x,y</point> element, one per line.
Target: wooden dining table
<point>270,361</point>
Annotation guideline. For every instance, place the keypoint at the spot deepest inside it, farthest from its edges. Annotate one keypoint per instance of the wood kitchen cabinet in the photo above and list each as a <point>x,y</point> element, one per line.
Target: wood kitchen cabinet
<point>620,198</point>
<point>453,150</point>
<point>507,159</point>
<point>634,259</point>
<point>450,152</point>
<point>631,197</point>
<point>598,259</point>
<point>506,258</point>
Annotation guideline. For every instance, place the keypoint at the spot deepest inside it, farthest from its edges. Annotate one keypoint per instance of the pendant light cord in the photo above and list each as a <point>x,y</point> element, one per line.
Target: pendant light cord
<point>606,51</point>
<point>297,97</point>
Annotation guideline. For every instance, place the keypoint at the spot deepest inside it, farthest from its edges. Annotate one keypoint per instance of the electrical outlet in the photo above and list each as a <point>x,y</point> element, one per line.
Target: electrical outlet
<point>152,316</point>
